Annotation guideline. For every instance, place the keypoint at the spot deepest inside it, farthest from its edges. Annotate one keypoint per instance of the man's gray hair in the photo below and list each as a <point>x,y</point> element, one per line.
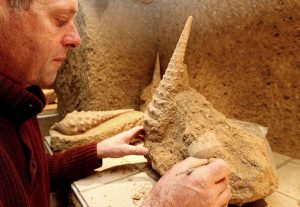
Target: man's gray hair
<point>20,4</point>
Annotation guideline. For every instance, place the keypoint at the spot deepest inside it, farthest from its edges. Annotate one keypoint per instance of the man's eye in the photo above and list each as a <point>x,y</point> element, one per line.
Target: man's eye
<point>61,21</point>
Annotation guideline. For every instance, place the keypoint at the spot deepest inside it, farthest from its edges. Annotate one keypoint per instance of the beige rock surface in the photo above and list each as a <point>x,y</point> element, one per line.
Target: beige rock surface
<point>109,128</point>
<point>115,60</point>
<point>243,57</point>
<point>179,116</point>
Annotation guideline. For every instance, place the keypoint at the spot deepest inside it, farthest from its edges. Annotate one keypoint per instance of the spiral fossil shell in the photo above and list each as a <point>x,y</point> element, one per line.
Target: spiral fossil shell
<point>79,122</point>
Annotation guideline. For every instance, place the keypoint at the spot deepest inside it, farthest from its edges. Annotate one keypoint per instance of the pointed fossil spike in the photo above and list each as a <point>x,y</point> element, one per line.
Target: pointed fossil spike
<point>156,75</point>
<point>174,80</point>
<point>79,122</point>
<point>149,91</point>
<point>179,53</point>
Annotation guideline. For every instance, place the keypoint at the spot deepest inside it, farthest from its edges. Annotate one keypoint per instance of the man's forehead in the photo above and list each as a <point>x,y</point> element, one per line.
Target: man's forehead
<point>69,6</point>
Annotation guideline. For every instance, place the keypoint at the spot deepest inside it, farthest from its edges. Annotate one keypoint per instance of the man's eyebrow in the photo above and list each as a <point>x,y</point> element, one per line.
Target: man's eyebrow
<point>67,10</point>
<point>73,11</point>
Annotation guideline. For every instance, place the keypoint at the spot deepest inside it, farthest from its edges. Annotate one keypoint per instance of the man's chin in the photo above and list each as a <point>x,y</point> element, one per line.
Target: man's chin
<point>48,82</point>
<point>48,85</point>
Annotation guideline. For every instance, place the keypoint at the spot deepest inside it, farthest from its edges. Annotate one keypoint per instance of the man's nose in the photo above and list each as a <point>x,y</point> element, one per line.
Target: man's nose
<point>71,39</point>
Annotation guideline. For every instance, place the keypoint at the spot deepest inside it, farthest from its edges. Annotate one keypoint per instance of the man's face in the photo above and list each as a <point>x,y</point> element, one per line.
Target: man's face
<point>34,43</point>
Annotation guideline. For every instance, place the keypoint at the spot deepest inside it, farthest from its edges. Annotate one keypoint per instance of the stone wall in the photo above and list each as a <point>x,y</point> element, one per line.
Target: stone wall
<point>116,59</point>
<point>244,56</point>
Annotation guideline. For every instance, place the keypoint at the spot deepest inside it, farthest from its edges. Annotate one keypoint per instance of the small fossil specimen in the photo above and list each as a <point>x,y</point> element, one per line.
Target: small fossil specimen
<point>79,122</point>
<point>78,128</point>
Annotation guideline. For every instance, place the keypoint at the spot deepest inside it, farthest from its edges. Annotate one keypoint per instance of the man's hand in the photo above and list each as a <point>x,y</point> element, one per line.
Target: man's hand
<point>207,186</point>
<point>118,146</point>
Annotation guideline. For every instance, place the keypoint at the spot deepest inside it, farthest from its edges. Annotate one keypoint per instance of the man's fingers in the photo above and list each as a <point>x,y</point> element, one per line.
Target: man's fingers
<point>135,150</point>
<point>221,186</point>
<point>134,132</point>
<point>225,180</point>
<point>213,172</point>
<point>186,164</point>
<point>224,198</point>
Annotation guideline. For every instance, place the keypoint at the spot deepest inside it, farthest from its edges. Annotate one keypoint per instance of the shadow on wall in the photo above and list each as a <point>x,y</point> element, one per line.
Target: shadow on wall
<point>100,6</point>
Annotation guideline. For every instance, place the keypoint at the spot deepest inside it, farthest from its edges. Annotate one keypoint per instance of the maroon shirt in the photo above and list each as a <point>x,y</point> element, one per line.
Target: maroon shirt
<point>26,173</point>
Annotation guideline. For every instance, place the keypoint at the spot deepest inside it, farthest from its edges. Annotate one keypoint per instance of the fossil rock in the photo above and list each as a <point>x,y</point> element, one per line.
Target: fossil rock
<point>149,91</point>
<point>179,118</point>
<point>82,127</point>
<point>79,122</point>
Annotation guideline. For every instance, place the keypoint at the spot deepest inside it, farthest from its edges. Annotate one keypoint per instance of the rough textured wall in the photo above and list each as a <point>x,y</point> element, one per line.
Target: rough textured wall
<point>244,56</point>
<point>116,59</point>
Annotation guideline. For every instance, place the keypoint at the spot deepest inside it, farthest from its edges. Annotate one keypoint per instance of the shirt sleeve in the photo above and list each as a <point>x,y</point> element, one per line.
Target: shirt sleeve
<point>66,167</point>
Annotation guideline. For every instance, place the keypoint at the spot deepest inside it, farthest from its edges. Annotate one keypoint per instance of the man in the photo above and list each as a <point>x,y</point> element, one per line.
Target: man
<point>34,38</point>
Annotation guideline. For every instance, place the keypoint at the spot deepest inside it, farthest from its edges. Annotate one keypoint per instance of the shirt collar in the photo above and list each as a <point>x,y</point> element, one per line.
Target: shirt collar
<point>18,103</point>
